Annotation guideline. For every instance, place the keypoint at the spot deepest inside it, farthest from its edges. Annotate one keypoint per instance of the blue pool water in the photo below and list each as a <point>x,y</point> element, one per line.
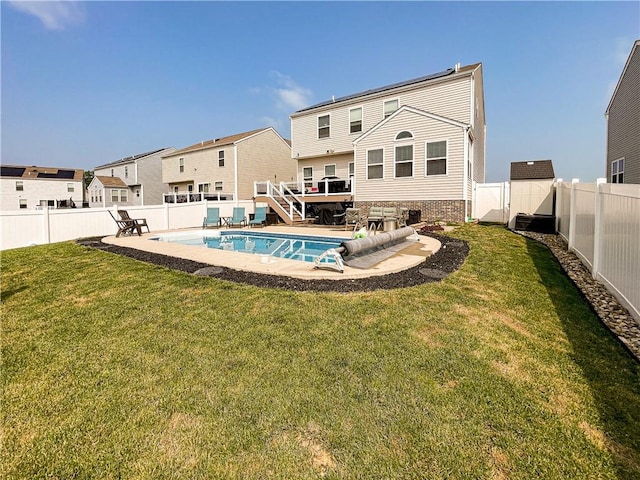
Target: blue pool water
<point>293,247</point>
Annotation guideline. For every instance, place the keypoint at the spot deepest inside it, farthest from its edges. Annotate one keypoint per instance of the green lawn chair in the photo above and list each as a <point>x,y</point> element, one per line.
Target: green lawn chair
<point>212,219</point>
<point>260,217</point>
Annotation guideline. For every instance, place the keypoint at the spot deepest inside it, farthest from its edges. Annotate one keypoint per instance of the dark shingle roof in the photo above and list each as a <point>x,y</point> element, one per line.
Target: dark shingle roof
<point>532,170</point>
<point>372,91</point>
<point>130,159</point>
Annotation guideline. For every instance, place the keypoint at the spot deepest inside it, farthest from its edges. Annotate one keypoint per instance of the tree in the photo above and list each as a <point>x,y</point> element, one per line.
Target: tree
<point>88,177</point>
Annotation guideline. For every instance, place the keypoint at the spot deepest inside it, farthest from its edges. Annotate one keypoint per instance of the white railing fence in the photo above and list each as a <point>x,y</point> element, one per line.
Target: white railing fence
<point>22,228</point>
<point>601,224</point>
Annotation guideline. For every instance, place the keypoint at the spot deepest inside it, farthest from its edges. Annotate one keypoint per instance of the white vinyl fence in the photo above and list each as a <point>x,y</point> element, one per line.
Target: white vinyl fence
<point>21,228</point>
<point>601,224</point>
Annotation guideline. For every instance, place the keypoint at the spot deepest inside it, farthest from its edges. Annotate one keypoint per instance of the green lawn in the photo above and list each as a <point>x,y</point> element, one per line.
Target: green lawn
<point>113,368</point>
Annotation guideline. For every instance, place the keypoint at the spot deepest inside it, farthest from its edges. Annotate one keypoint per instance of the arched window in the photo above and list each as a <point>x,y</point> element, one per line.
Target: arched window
<point>404,135</point>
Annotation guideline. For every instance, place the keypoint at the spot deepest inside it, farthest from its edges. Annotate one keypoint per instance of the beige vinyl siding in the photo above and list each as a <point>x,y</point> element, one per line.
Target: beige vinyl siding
<point>623,133</point>
<point>449,97</point>
<point>201,166</point>
<point>264,156</point>
<point>419,186</point>
<point>340,161</point>
<point>150,178</point>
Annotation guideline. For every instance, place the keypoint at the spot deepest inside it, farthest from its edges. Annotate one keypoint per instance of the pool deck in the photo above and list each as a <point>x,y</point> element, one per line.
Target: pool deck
<point>407,258</point>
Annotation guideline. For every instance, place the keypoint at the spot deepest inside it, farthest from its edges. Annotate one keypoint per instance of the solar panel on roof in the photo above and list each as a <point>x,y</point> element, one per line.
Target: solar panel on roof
<point>66,174</point>
<point>11,171</point>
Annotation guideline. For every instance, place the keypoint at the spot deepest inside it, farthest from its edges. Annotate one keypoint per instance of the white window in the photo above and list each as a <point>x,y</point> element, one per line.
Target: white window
<point>355,120</point>
<point>190,188</point>
<point>352,169</point>
<point>307,176</point>
<point>375,163</point>
<point>100,197</point>
<point>436,158</point>
<point>324,126</point>
<point>330,170</point>
<point>390,106</point>
<point>126,172</point>
<point>617,171</point>
<point>70,187</point>
<point>217,186</point>
<point>19,186</point>
<point>23,203</point>
<point>221,158</point>
<point>115,194</point>
<point>176,189</point>
<point>404,161</point>
<point>123,195</point>
<point>181,165</point>
<point>204,187</point>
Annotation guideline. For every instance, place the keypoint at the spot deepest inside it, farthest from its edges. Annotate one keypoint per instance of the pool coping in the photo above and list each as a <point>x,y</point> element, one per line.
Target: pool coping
<point>403,260</point>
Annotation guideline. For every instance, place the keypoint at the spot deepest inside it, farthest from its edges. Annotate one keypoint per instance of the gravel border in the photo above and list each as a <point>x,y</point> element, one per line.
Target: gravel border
<point>446,260</point>
<point>614,316</point>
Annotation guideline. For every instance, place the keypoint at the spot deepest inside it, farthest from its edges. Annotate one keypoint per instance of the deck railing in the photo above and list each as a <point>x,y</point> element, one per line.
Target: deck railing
<point>197,197</point>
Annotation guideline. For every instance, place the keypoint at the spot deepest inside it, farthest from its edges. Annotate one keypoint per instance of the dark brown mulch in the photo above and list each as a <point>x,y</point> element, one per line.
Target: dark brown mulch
<point>448,259</point>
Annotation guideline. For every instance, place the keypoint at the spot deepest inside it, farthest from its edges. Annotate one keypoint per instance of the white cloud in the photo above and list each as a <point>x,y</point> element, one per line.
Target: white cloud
<point>290,95</point>
<point>54,15</point>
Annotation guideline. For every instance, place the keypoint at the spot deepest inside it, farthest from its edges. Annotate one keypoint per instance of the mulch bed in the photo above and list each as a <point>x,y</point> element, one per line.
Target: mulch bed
<point>448,259</point>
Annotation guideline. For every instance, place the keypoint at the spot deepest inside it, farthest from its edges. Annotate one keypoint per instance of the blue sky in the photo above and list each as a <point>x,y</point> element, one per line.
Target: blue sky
<point>87,83</point>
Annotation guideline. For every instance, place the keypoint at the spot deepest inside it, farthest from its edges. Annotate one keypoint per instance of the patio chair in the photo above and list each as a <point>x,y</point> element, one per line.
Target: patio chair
<point>141,222</point>
<point>352,217</point>
<point>375,217</point>
<point>126,227</point>
<point>212,219</point>
<point>260,217</point>
<point>238,218</point>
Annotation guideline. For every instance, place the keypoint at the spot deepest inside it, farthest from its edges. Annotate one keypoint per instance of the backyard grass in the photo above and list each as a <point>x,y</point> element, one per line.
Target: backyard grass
<point>113,368</point>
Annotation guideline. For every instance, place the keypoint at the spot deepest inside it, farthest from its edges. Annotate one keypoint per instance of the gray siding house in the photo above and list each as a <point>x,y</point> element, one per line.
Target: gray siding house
<point>623,124</point>
<point>139,181</point>
<point>417,144</point>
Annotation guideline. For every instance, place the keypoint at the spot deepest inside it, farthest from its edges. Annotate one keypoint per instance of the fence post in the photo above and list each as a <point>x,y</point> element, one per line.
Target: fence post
<point>166,216</point>
<point>597,228</point>
<point>572,214</point>
<point>558,196</point>
<point>46,227</point>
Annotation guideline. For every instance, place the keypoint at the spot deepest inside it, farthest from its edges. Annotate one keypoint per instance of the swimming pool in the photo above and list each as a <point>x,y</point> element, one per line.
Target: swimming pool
<point>303,248</point>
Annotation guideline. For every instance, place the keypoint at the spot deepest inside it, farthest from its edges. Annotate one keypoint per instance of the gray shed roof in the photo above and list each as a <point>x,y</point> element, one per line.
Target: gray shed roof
<point>532,170</point>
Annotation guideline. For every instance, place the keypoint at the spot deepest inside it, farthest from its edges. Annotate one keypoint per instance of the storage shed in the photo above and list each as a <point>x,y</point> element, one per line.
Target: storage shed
<point>532,190</point>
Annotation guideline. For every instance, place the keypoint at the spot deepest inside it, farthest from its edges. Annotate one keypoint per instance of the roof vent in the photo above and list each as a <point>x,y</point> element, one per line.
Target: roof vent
<point>530,163</point>
<point>457,67</point>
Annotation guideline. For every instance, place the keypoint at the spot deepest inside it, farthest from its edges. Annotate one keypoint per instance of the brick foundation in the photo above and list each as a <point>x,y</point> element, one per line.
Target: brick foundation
<point>444,210</point>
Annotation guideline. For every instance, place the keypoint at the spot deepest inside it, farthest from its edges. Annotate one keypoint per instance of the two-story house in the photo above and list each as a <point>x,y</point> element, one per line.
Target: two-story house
<point>40,187</point>
<point>226,168</point>
<point>130,181</point>
<point>623,124</point>
<point>417,144</point>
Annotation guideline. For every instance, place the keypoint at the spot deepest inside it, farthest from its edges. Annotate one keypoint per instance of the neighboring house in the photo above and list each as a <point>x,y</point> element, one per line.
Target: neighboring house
<point>418,144</point>
<point>532,189</point>
<point>140,181</point>
<point>623,124</point>
<point>227,167</point>
<point>40,187</point>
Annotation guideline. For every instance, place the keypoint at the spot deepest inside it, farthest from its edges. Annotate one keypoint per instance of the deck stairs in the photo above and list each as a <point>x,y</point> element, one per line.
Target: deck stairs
<point>289,207</point>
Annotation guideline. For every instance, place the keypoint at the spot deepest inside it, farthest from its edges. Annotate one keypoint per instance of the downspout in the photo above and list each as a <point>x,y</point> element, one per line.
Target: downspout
<point>235,173</point>
<point>465,180</point>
